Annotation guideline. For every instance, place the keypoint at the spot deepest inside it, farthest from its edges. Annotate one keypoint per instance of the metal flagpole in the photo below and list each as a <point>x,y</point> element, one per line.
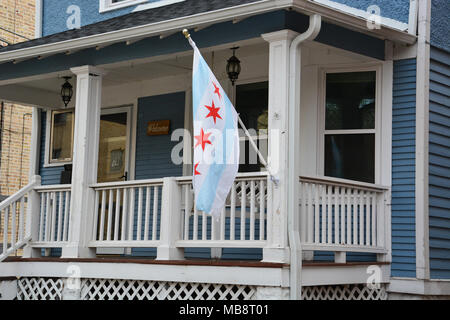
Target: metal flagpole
<point>263,161</point>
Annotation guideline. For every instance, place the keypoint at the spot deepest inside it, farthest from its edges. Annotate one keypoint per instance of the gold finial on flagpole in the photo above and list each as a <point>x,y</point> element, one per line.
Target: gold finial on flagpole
<point>186,33</point>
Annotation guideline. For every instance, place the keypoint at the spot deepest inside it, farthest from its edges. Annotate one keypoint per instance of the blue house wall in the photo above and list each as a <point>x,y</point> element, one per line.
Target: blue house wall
<point>56,13</point>
<point>439,164</point>
<point>403,169</point>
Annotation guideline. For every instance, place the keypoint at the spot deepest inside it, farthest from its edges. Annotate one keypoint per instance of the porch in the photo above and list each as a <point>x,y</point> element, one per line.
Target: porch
<point>334,225</point>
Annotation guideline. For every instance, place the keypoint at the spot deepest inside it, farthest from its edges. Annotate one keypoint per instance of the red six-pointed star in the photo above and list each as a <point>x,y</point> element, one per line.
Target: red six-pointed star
<point>196,173</point>
<point>217,90</point>
<point>202,139</point>
<point>213,112</point>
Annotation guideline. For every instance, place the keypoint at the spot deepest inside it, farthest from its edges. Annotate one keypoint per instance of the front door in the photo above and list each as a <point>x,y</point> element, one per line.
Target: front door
<point>113,154</point>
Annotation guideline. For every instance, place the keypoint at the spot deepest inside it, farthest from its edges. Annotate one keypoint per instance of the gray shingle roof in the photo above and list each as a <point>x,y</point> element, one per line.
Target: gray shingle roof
<point>178,10</point>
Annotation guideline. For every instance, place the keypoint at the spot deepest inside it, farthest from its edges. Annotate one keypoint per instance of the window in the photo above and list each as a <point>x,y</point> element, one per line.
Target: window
<point>61,136</point>
<point>252,106</point>
<point>108,5</point>
<point>350,125</point>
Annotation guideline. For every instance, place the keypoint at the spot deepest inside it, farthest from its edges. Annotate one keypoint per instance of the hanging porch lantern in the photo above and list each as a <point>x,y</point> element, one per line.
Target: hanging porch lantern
<point>66,91</point>
<point>234,67</point>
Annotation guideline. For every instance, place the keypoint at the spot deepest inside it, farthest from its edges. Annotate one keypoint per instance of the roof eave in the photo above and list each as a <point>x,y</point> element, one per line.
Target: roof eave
<point>204,19</point>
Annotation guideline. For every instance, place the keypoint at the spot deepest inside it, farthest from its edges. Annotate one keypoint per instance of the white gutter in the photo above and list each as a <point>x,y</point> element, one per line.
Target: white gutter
<point>205,19</point>
<point>315,23</point>
<point>38,18</point>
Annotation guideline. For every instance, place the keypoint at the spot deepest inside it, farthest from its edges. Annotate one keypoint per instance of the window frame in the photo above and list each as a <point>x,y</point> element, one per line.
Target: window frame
<point>49,162</point>
<point>322,132</point>
<point>107,5</point>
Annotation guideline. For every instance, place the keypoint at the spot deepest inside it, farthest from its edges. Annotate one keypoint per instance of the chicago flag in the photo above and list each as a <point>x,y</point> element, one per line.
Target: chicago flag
<point>216,143</point>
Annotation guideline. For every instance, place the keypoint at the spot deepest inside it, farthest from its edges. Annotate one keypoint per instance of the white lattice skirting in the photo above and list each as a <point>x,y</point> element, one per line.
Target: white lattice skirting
<point>344,292</point>
<point>104,289</point>
<point>101,289</point>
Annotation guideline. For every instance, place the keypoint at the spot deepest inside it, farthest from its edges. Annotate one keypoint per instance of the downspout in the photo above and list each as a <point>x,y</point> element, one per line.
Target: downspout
<point>315,23</point>
<point>38,19</point>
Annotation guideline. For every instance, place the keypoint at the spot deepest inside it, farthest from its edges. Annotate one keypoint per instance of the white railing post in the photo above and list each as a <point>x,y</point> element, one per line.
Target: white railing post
<point>32,219</point>
<point>277,249</point>
<point>85,161</point>
<point>170,222</point>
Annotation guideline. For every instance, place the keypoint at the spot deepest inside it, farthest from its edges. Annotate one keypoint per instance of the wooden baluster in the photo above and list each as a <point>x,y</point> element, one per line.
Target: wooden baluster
<point>187,211</point>
<point>262,199</point>
<point>368,219</point>
<point>60,216</point>
<point>233,213</point>
<point>324,213</point>
<point>124,215</point>
<point>195,226</point>
<point>147,214</point>
<point>349,216</point>
<point>13,224</point>
<point>310,214</point>
<point>41,218</point>
<point>117,216</point>
<point>102,217</point>
<point>374,218</point>
<point>355,216</point>
<point>337,192</point>
<point>5,229</point>
<point>110,214</point>
<point>252,210</point>
<point>243,209</point>
<point>155,211</point>
<point>53,221</point>
<point>67,218</point>
<point>316,214</point>
<point>139,218</point>
<point>21,219</point>
<point>47,218</point>
<point>131,214</point>
<point>342,203</point>
<point>361,218</point>
<point>329,215</point>
<point>303,209</point>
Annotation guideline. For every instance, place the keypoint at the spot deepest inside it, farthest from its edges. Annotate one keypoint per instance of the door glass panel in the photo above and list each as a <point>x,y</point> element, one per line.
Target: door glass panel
<point>112,147</point>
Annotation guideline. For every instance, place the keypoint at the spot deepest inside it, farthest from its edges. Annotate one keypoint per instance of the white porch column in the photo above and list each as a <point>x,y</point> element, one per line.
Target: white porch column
<point>85,161</point>
<point>280,41</point>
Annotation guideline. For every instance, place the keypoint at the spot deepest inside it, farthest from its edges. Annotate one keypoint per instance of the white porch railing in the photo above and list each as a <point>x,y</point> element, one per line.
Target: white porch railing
<point>54,216</point>
<point>243,223</point>
<point>340,215</point>
<point>335,215</point>
<point>127,214</point>
<point>15,221</point>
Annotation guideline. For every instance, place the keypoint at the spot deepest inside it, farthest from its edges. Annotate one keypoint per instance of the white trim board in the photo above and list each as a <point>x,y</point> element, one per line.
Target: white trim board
<point>420,287</point>
<point>392,23</point>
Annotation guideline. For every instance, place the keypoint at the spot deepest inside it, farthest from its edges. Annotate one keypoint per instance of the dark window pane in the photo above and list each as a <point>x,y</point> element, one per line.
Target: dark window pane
<point>350,101</point>
<point>252,106</point>
<point>62,129</point>
<point>350,157</point>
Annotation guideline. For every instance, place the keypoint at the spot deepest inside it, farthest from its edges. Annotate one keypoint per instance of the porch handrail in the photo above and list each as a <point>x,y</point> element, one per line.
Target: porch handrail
<point>18,231</point>
<point>125,184</point>
<point>337,182</point>
<point>239,177</point>
<point>17,196</point>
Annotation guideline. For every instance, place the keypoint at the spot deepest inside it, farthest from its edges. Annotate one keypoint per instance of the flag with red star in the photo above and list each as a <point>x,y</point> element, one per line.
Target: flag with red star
<point>216,145</point>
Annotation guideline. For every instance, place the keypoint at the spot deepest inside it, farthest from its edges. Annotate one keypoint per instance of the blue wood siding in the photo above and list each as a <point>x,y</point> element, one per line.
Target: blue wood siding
<point>439,164</point>
<point>51,175</point>
<point>440,24</point>
<point>403,169</point>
